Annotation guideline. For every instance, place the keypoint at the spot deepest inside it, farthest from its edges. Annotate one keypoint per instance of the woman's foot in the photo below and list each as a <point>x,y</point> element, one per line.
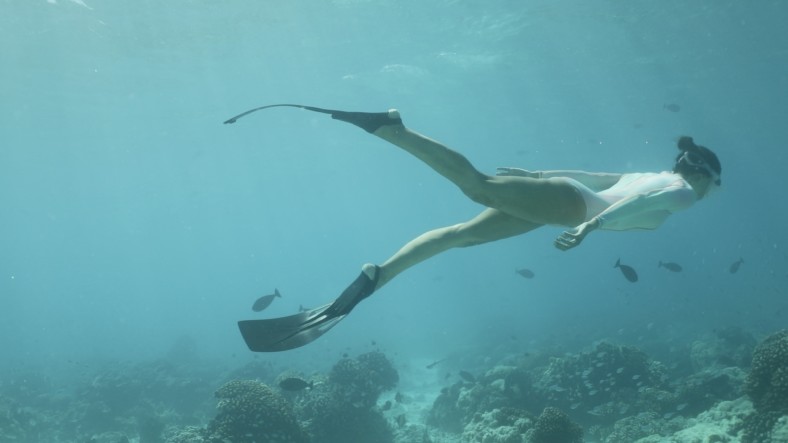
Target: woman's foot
<point>364,285</point>
<point>369,121</point>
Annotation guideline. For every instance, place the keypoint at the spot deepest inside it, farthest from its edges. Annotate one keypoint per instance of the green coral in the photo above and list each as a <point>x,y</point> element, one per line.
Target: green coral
<point>364,378</point>
<point>249,411</point>
<point>767,386</point>
<point>344,408</point>
<point>554,426</point>
<point>767,383</point>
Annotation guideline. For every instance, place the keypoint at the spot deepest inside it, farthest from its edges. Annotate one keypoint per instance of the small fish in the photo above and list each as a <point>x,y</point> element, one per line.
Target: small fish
<point>295,384</point>
<point>264,301</point>
<point>401,420</point>
<point>670,266</point>
<point>398,397</point>
<point>386,406</point>
<point>628,272</point>
<point>735,266</point>
<point>526,273</point>
<point>432,365</point>
<point>301,308</point>
<point>467,376</point>
<point>672,107</point>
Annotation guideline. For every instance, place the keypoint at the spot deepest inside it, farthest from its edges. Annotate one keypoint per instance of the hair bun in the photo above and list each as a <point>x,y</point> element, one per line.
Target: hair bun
<point>686,144</point>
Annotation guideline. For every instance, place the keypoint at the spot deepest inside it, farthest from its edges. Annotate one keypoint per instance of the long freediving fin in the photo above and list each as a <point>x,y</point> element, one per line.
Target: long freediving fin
<point>368,121</point>
<point>294,331</point>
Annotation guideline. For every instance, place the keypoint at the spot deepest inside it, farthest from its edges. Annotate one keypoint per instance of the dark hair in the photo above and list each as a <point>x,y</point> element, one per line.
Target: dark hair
<point>686,144</point>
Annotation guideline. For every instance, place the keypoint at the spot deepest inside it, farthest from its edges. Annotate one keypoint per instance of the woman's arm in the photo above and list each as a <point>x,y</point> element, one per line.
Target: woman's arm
<point>596,181</point>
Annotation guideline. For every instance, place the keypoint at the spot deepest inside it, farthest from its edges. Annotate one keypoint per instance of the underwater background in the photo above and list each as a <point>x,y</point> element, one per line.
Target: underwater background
<point>136,229</point>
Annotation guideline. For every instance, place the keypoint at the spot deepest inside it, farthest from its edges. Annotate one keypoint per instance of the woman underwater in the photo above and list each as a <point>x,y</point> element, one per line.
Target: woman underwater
<point>517,201</point>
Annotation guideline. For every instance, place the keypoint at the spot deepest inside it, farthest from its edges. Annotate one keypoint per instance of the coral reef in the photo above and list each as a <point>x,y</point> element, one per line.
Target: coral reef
<point>767,386</point>
<point>505,425</point>
<point>726,347</point>
<point>698,392</point>
<point>720,424</point>
<point>606,383</point>
<point>616,393</point>
<point>249,411</point>
<point>631,428</point>
<point>445,414</point>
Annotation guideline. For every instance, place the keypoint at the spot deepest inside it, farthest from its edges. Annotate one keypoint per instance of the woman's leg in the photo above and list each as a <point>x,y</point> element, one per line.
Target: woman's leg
<point>488,226</point>
<point>540,201</point>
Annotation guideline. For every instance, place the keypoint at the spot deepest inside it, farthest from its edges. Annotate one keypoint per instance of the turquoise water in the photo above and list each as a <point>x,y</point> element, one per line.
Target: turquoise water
<point>132,218</point>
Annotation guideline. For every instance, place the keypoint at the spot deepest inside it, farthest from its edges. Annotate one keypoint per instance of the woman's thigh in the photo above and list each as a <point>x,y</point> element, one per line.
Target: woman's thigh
<point>492,225</point>
<point>553,201</point>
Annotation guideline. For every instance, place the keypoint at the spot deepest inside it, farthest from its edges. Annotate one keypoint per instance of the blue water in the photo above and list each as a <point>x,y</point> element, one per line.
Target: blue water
<point>131,217</point>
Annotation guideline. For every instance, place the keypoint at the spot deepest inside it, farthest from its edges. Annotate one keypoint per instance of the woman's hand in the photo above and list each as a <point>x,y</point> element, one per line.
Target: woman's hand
<point>517,172</point>
<point>573,237</point>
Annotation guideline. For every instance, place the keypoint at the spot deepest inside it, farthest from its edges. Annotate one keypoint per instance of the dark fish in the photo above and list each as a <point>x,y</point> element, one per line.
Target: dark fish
<point>264,301</point>
<point>398,397</point>
<point>628,272</point>
<point>432,365</point>
<point>670,266</point>
<point>527,273</point>
<point>295,384</point>
<point>735,266</point>
<point>467,376</point>
<point>386,406</point>
<point>672,107</point>
<point>401,420</point>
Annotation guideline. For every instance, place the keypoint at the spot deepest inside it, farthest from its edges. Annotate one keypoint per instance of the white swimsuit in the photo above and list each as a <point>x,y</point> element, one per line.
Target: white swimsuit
<point>637,201</point>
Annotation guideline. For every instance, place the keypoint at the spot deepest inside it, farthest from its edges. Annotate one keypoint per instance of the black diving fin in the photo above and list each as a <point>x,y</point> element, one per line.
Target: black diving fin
<point>368,121</point>
<point>294,331</point>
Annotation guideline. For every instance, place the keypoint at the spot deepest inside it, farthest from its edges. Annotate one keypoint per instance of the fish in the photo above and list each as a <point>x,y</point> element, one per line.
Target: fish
<point>295,384</point>
<point>467,376</point>
<point>401,420</point>
<point>628,272</point>
<point>670,266</point>
<point>432,365</point>
<point>386,406</point>
<point>672,107</point>
<point>526,273</point>
<point>735,266</point>
<point>264,301</point>
<point>398,397</point>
